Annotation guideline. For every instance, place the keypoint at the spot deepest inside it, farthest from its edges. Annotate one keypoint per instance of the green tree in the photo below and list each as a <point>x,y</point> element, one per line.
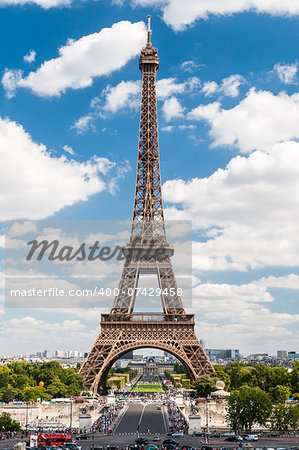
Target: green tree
<point>4,376</point>
<point>294,377</point>
<point>179,368</point>
<point>31,393</point>
<point>285,417</point>
<point>248,406</point>
<point>7,424</point>
<point>8,395</point>
<point>240,375</point>
<point>280,393</point>
<point>204,385</point>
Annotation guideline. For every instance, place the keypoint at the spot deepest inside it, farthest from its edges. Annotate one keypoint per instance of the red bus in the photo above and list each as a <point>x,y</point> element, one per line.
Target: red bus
<point>49,440</point>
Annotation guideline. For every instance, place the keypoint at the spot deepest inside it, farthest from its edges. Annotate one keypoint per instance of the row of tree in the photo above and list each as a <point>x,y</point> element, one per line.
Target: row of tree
<point>252,406</point>
<point>278,382</point>
<point>20,381</point>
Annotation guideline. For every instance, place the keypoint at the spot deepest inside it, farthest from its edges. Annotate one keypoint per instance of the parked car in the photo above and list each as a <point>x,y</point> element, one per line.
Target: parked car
<point>251,437</point>
<point>171,442</point>
<point>273,434</point>
<point>169,447</point>
<point>152,447</point>
<point>233,439</point>
<point>157,438</point>
<point>178,434</point>
<point>82,437</point>
<point>142,441</point>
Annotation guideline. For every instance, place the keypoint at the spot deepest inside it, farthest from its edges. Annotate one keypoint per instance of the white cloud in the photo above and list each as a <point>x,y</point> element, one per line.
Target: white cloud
<point>125,95</point>
<point>259,121</point>
<point>187,127</point>
<point>46,4</point>
<point>166,87</point>
<point>290,281</point>
<point>189,66</point>
<point>179,14</point>
<point>286,72</point>
<point>210,88</point>
<point>167,128</point>
<point>30,57</point>
<point>81,61</point>
<point>45,184</point>
<point>247,213</point>
<point>84,124</point>
<point>172,108</point>
<point>229,86</point>
<point>68,149</point>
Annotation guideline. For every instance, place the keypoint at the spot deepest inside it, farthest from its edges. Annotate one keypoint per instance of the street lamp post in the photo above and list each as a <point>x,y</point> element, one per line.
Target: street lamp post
<point>207,419</point>
<point>26,426</point>
<point>71,415</point>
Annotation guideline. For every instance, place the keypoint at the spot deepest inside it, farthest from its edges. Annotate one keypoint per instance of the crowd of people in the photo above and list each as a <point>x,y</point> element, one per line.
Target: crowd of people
<point>177,422</point>
<point>8,435</point>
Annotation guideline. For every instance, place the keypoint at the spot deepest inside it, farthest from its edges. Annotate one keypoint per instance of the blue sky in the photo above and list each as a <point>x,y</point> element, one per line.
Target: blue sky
<point>228,108</point>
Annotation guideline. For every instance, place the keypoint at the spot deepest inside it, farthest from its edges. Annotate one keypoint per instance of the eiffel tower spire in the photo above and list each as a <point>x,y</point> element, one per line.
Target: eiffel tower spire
<point>147,252</point>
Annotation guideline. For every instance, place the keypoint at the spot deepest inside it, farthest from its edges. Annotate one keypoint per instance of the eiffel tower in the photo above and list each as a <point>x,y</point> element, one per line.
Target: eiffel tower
<point>147,252</point>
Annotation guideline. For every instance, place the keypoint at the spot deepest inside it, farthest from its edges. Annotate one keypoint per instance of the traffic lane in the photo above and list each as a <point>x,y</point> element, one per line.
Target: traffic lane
<point>130,419</point>
<point>194,441</point>
<point>152,420</point>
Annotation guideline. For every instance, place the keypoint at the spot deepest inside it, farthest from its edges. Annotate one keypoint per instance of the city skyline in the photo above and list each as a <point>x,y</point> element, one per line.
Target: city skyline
<point>228,114</point>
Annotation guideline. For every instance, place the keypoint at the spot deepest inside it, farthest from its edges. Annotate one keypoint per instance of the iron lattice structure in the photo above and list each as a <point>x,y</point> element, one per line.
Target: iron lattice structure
<point>147,252</point>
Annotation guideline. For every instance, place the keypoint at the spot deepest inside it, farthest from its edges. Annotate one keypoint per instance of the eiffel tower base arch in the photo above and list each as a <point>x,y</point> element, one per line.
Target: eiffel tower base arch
<point>118,337</point>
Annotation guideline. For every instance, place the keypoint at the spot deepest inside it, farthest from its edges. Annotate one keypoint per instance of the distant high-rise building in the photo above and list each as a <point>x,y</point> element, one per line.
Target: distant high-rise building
<point>58,354</point>
<point>282,354</point>
<point>293,356</point>
<point>39,354</point>
<point>203,343</point>
<point>46,354</point>
<point>76,353</point>
<point>129,355</point>
<point>69,354</point>
<point>217,353</point>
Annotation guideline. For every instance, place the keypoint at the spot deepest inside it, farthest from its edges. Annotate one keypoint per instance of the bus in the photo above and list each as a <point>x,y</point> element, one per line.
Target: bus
<point>49,440</point>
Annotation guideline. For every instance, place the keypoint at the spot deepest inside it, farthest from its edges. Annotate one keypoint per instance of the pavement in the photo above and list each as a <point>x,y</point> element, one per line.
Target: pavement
<point>142,417</point>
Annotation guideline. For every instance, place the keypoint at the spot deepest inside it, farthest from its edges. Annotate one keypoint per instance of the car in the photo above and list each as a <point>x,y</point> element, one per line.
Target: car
<point>142,441</point>
<point>251,437</point>
<point>72,446</point>
<point>169,447</point>
<point>198,433</point>
<point>171,442</point>
<point>178,434</point>
<point>233,439</point>
<point>273,434</point>
<point>152,447</point>
<point>156,438</point>
<point>82,437</point>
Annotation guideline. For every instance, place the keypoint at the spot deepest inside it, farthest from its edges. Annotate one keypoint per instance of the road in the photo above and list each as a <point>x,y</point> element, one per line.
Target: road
<point>142,417</point>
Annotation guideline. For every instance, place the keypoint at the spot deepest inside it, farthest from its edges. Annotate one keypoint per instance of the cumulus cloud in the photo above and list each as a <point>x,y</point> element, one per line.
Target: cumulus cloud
<point>189,66</point>
<point>229,86</point>
<point>83,124</point>
<point>79,62</point>
<point>180,14</point>
<point>259,121</point>
<point>30,57</point>
<point>68,149</point>
<point>45,184</point>
<point>286,72</point>
<point>172,108</point>
<point>46,4</point>
<point>243,309</point>
<point>247,213</point>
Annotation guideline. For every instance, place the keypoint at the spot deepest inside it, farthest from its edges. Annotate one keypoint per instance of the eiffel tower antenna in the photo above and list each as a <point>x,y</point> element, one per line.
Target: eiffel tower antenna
<point>149,31</point>
<point>147,252</point>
